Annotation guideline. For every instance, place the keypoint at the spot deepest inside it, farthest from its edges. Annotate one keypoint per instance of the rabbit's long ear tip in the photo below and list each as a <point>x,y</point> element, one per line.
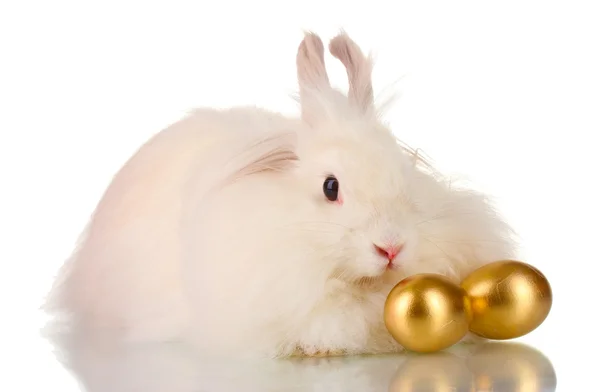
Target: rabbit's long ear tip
<point>341,44</point>
<point>310,57</point>
<point>341,34</point>
<point>309,33</point>
<point>358,67</point>
<point>311,42</point>
<point>312,75</point>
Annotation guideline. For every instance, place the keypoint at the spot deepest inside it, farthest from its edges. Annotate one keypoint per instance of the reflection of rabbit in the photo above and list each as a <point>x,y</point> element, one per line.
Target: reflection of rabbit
<point>249,233</point>
<point>161,367</point>
<point>175,368</point>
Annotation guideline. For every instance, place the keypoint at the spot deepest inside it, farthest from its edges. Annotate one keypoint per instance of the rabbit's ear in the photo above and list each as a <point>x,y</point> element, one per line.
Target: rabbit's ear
<point>312,75</point>
<point>359,68</point>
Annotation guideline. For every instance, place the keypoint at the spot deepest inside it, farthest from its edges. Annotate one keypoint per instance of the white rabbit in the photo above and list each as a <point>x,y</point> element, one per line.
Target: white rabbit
<point>248,233</point>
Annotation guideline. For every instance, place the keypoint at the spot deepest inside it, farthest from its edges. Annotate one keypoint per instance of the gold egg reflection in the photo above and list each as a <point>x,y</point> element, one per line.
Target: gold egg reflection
<point>508,299</point>
<point>436,372</point>
<point>511,367</point>
<point>497,366</point>
<point>427,313</point>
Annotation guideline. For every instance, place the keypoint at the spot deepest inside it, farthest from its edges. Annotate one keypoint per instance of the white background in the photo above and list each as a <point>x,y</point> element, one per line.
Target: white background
<point>505,93</point>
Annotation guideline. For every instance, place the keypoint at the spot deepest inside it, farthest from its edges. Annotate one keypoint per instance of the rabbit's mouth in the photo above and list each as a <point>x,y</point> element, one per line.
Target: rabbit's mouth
<point>385,276</point>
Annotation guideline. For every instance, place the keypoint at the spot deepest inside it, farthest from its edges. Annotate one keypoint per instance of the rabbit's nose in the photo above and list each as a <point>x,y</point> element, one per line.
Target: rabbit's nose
<point>388,251</point>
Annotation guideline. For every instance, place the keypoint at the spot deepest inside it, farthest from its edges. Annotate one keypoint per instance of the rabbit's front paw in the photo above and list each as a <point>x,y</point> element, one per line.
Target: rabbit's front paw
<point>318,352</point>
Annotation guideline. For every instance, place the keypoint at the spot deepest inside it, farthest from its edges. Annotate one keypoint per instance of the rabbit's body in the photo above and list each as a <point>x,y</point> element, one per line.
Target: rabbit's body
<point>249,233</point>
<point>126,274</point>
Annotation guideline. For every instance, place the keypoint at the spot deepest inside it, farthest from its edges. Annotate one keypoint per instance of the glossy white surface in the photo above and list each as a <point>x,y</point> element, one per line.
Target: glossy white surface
<point>504,92</point>
<point>491,367</point>
<point>551,358</point>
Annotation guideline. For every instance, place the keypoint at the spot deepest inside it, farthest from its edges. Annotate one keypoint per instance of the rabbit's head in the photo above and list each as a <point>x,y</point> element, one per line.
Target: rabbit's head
<point>380,211</point>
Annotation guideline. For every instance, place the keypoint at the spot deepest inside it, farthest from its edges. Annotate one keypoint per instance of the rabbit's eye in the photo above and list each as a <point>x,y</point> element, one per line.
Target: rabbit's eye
<point>330,188</point>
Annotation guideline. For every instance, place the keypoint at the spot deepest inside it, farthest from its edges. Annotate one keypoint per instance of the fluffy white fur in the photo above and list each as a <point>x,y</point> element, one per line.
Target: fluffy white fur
<point>217,230</point>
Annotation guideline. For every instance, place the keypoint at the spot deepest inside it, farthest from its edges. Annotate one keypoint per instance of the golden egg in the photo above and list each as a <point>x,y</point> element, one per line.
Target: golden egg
<point>508,299</point>
<point>427,313</point>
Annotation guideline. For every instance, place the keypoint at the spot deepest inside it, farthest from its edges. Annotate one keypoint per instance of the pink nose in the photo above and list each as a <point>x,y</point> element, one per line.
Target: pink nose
<point>389,251</point>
